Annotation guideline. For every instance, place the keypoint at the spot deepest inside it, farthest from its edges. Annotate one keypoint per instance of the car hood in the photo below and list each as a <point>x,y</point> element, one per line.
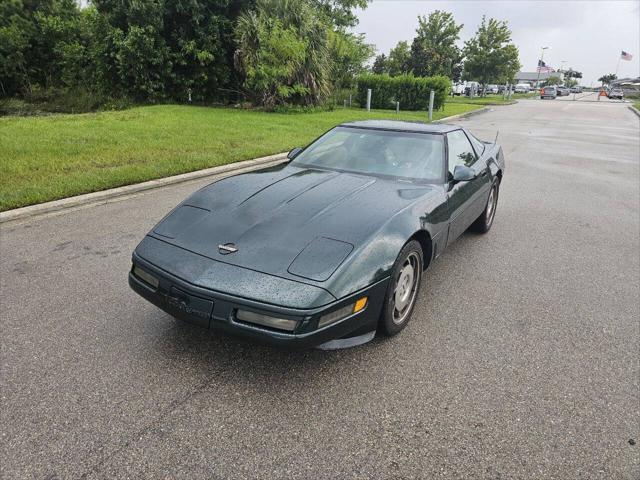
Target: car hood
<point>287,221</point>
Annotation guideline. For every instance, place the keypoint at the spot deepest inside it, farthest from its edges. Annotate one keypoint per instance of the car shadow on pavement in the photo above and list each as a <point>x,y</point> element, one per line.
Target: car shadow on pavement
<point>237,361</point>
<point>234,360</point>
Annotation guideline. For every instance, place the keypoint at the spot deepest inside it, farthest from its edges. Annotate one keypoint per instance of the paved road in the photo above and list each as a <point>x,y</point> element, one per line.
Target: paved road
<point>586,97</point>
<point>521,360</point>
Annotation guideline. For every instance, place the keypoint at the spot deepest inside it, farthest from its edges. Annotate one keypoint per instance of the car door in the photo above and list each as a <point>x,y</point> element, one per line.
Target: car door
<point>465,199</point>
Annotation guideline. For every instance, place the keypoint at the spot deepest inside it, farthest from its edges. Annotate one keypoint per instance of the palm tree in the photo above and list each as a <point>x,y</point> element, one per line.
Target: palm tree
<point>283,50</point>
<point>607,79</point>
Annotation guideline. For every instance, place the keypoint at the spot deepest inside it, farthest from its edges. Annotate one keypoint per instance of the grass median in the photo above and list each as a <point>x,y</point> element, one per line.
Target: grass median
<point>58,156</point>
<point>490,99</point>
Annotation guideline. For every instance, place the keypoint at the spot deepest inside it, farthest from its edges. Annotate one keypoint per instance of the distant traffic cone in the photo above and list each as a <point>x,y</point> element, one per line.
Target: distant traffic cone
<point>602,93</point>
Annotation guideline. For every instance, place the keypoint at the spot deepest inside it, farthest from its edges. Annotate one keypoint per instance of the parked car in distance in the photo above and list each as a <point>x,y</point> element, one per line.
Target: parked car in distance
<point>576,89</point>
<point>616,93</point>
<point>493,89</point>
<point>329,247</point>
<point>562,91</point>
<point>548,92</point>
<point>457,89</point>
<point>522,88</point>
<point>471,88</point>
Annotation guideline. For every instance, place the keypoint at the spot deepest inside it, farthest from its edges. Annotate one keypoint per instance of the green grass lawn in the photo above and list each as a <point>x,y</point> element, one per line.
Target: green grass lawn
<point>52,157</point>
<point>519,96</point>
<point>488,100</point>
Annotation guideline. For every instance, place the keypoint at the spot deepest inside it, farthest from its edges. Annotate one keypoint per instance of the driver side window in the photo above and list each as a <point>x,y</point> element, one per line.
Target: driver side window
<point>460,150</point>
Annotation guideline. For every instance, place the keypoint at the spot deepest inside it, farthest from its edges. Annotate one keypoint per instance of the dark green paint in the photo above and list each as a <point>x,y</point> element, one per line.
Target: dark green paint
<point>307,238</point>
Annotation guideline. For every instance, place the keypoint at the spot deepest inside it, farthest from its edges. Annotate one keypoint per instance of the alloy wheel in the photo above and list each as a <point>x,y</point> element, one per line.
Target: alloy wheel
<point>406,288</point>
<point>491,206</point>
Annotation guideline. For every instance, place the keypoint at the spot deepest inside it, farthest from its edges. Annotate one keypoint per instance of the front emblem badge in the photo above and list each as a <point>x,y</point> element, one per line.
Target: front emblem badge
<point>227,248</point>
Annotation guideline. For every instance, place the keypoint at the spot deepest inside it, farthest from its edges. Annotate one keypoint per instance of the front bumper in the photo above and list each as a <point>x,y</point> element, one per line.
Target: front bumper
<point>217,310</point>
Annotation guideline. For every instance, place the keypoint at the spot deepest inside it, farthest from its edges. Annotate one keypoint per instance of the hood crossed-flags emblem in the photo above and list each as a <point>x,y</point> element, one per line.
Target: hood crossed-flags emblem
<point>227,248</point>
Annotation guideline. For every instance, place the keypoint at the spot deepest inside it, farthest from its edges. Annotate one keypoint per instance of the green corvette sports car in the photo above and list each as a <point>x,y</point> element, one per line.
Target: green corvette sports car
<point>328,248</point>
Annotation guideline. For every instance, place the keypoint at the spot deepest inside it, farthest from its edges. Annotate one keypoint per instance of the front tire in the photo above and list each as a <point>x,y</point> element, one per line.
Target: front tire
<point>485,220</point>
<point>406,277</point>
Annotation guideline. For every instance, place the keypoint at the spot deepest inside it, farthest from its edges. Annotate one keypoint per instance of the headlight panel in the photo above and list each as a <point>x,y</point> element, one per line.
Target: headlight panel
<point>266,320</point>
<point>146,277</point>
<point>342,313</point>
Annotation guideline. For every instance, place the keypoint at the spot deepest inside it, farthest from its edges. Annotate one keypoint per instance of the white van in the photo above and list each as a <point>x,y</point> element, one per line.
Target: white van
<point>457,89</point>
<point>523,88</point>
<point>471,89</point>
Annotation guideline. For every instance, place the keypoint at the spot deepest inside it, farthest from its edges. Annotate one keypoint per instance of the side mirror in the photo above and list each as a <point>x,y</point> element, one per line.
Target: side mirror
<point>462,173</point>
<point>294,153</point>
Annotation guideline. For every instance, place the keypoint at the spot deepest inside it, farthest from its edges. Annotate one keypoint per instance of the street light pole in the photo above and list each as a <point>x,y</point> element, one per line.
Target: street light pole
<point>542,49</point>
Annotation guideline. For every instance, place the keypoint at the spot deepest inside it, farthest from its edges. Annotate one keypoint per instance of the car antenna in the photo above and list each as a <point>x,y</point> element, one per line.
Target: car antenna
<point>497,133</point>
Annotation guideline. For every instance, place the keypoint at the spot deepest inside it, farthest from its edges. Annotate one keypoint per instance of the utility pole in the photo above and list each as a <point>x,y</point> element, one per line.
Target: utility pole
<point>542,49</point>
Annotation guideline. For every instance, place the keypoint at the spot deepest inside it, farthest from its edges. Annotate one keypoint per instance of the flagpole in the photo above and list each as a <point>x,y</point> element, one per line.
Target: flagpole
<point>618,65</point>
<point>542,49</point>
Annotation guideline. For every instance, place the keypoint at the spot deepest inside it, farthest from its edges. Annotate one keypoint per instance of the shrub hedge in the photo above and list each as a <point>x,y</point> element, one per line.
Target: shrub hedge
<point>412,92</point>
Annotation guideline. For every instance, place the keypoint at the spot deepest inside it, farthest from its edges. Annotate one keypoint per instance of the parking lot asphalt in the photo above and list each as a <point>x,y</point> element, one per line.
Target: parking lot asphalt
<point>521,360</point>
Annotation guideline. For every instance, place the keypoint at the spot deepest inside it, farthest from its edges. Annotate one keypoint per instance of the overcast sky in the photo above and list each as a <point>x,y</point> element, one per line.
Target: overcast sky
<point>589,35</point>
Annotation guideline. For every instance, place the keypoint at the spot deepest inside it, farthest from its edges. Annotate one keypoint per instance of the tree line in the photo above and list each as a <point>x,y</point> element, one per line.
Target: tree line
<point>488,57</point>
<point>266,52</point>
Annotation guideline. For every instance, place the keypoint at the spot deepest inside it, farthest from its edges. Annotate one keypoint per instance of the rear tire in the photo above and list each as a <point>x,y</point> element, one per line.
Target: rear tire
<point>485,220</point>
<point>406,277</point>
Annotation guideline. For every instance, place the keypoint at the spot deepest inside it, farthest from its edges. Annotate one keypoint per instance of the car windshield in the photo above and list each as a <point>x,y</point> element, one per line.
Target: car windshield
<point>414,156</point>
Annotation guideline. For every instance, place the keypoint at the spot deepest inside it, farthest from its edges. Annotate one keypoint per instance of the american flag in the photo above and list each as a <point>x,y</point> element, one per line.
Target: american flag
<point>626,56</point>
<point>544,68</point>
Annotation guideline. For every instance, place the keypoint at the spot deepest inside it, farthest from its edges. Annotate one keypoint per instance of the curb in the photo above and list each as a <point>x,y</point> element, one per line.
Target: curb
<point>510,102</point>
<point>105,196</point>
<point>634,110</point>
<point>463,115</point>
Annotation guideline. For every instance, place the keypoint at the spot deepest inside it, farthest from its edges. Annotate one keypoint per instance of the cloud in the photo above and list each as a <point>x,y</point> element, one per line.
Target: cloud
<point>589,35</point>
